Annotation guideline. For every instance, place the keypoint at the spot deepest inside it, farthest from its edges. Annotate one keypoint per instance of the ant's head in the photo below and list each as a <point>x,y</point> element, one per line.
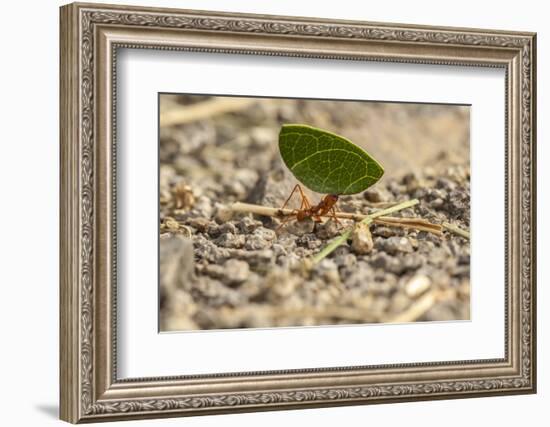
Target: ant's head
<point>333,198</point>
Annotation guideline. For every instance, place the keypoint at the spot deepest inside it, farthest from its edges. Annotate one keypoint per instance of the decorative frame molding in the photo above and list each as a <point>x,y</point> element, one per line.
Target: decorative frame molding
<point>90,36</point>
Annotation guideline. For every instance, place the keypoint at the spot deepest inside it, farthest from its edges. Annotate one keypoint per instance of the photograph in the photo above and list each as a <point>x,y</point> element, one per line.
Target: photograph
<point>282,212</point>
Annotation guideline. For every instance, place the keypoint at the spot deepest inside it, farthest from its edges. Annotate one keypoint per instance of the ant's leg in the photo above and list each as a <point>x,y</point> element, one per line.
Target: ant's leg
<point>296,187</point>
<point>333,216</point>
<point>285,220</point>
<point>305,201</point>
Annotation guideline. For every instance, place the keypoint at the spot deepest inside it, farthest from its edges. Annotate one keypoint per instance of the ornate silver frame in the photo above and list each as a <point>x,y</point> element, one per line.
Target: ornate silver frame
<point>90,36</point>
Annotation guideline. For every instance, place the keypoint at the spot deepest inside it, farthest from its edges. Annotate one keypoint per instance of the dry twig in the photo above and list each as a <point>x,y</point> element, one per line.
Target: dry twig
<point>416,223</point>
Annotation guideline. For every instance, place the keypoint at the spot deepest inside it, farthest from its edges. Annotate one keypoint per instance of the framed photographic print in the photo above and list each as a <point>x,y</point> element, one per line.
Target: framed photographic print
<point>266,212</point>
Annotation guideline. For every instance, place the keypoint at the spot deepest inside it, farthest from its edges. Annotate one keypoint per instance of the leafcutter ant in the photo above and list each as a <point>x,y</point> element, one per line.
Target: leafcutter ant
<point>326,207</point>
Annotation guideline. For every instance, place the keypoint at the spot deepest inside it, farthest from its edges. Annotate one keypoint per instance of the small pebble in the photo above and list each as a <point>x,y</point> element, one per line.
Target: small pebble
<point>309,241</point>
<point>183,195</point>
<point>411,182</point>
<point>345,260</point>
<point>445,183</point>
<point>200,224</point>
<point>202,208</point>
<point>328,230</point>
<point>374,195</point>
<point>236,189</point>
<point>223,213</point>
<point>171,224</point>
<point>436,203</point>
<point>256,242</point>
<point>298,228</point>
<point>385,231</point>
<point>412,261</point>
<point>434,193</point>
<point>235,271</point>
<point>395,244</point>
<point>248,225</point>
<point>280,282</point>
<point>215,230</point>
<point>265,234</point>
<point>227,227</point>
<point>255,259</point>
<point>417,285</point>
<point>396,188</point>
<point>229,240</point>
<point>278,249</point>
<point>385,262</point>
<point>328,270</point>
<point>290,261</point>
<point>361,239</point>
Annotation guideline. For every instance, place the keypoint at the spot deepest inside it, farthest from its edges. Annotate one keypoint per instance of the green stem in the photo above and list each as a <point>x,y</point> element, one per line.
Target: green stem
<point>345,236</point>
<point>456,230</point>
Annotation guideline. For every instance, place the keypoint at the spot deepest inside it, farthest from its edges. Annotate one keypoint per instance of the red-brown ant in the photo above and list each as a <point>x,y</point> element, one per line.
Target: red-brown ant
<point>324,208</point>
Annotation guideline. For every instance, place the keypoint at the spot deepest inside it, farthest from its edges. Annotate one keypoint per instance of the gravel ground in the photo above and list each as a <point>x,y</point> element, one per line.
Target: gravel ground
<point>219,269</point>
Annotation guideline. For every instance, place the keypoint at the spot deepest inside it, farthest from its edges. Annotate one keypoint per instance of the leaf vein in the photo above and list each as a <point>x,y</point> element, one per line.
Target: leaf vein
<point>357,180</point>
<point>324,151</point>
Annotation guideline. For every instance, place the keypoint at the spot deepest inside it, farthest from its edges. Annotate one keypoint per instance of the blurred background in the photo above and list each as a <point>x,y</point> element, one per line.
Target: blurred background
<point>403,137</point>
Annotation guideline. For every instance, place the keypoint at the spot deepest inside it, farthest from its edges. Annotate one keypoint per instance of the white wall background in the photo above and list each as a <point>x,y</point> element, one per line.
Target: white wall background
<point>29,170</point>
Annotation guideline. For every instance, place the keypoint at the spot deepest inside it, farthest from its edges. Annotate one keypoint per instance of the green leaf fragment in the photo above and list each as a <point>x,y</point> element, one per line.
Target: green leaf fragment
<point>325,162</point>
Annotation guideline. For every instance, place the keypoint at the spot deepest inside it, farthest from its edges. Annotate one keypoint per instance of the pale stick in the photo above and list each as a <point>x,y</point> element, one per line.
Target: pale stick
<point>416,223</point>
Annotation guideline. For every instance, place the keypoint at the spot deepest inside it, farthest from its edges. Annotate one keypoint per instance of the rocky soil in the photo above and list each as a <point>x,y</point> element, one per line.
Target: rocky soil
<point>219,269</point>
